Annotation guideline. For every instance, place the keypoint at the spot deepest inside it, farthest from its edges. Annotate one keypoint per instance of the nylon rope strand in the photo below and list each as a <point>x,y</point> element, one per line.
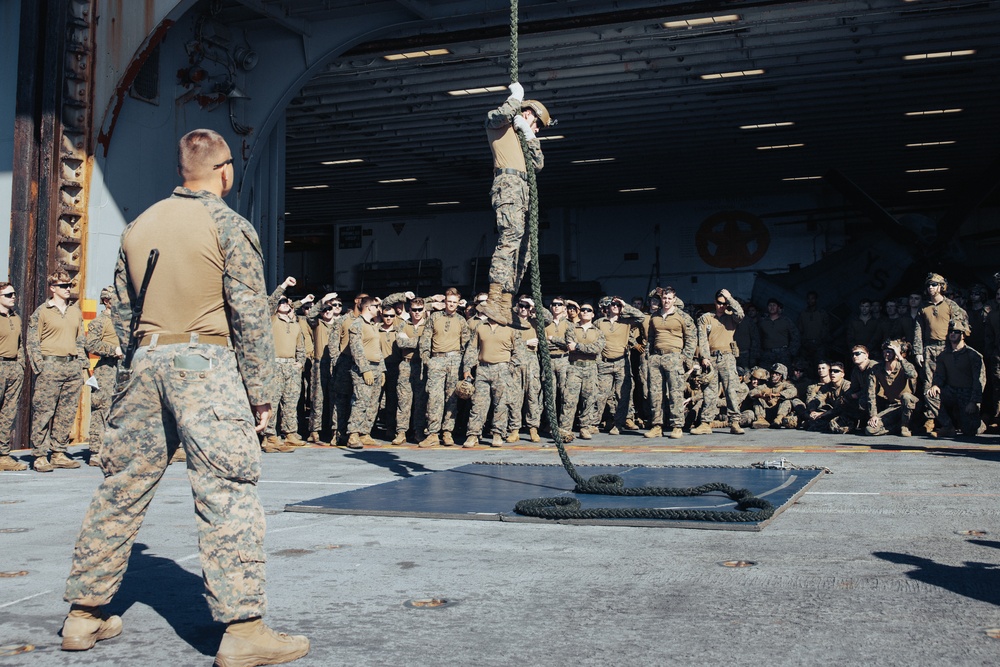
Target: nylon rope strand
<point>611,485</point>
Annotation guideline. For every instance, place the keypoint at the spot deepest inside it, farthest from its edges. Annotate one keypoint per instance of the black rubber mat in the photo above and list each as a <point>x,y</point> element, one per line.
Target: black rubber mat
<point>488,492</point>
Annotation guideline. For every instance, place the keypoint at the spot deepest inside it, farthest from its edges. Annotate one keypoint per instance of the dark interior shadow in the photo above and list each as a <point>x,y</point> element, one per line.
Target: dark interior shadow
<point>391,462</point>
<point>172,592</point>
<point>978,581</point>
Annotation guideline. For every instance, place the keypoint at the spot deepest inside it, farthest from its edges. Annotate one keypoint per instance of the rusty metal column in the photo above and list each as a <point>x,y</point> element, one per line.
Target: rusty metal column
<point>52,138</point>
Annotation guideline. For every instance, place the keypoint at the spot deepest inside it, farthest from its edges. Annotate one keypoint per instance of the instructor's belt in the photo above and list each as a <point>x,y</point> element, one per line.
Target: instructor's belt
<point>515,172</point>
<point>193,339</point>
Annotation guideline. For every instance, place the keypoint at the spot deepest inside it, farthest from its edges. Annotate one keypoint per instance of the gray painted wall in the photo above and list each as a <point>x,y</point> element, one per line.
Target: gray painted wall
<point>10,15</point>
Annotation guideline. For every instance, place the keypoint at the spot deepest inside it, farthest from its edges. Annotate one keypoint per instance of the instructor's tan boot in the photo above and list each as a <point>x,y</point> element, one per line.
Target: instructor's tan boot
<point>430,441</point>
<point>85,626</point>
<point>250,643</point>
<point>400,438</point>
<point>654,432</point>
<point>60,460</point>
<point>9,463</point>
<point>533,434</point>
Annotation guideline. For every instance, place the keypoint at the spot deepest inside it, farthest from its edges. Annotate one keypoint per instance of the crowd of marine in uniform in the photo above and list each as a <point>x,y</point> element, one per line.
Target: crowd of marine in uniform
<point>437,371</point>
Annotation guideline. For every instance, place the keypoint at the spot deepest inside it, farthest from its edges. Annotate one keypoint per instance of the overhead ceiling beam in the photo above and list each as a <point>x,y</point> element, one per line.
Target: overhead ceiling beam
<point>294,25</point>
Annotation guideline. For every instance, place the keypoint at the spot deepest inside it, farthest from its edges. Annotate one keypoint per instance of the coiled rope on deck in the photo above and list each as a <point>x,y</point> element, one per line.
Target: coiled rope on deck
<point>749,508</point>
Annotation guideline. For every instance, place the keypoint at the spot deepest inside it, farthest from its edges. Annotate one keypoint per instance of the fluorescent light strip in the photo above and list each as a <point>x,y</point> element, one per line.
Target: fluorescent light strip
<point>707,20</point>
<point>764,126</point>
<point>594,160</point>
<point>926,190</point>
<point>442,203</point>
<point>309,187</point>
<point>417,54</point>
<point>476,91</point>
<point>931,112</point>
<point>351,161</point>
<point>930,143</point>
<point>287,241</point>
<point>939,54</point>
<point>778,146</point>
<point>802,178</point>
<point>926,171</point>
<point>637,190</point>
<point>398,180</point>
<point>381,208</point>
<point>732,75</point>
<point>552,137</point>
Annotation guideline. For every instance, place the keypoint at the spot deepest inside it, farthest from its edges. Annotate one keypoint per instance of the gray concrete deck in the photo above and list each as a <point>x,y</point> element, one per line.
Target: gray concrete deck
<point>870,567</point>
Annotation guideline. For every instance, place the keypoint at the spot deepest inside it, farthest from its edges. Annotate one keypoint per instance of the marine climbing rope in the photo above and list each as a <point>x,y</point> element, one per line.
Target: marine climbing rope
<point>749,508</point>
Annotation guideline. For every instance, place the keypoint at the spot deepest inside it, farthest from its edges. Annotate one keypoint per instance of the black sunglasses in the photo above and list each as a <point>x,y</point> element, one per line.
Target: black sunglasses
<point>586,310</point>
<point>9,295</point>
<point>416,310</point>
<point>721,303</point>
<point>557,303</point>
<point>63,285</point>
<point>222,164</point>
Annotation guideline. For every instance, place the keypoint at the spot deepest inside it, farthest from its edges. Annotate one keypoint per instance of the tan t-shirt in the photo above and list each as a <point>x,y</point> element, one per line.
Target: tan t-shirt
<point>10,335</point>
<point>286,337</point>
<point>58,332</point>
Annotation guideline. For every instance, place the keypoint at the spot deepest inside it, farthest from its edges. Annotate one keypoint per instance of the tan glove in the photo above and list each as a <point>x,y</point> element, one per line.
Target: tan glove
<point>369,378</point>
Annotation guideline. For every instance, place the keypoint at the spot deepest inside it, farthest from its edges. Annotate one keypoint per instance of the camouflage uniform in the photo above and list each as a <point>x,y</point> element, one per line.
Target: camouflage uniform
<point>366,396</point>
<point>411,393</point>
<point>103,342</point>
<point>961,376</point>
<point>525,381</point>
<point>189,394</point>
<point>321,371</point>
<point>509,197</point>
<point>558,357</point>
<point>581,381</point>
<point>614,375</point>
<point>723,361</point>
<point>891,397</point>
<point>930,339</point>
<point>773,401</point>
<point>287,387</point>
<point>666,369</point>
<point>58,382</point>
<point>493,380</point>
<point>11,380</point>
<point>442,371</point>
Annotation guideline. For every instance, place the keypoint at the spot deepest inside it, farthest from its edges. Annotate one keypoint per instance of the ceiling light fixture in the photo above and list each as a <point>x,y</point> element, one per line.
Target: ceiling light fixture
<point>706,20</point>
<point>779,146</point>
<point>351,161</point>
<point>442,203</point>
<point>932,112</point>
<point>594,160</point>
<point>476,91</point>
<point>926,190</point>
<point>926,171</point>
<point>732,75</point>
<point>939,54</point>
<point>381,208</point>
<point>417,54</point>
<point>309,187</point>
<point>637,190</point>
<point>552,137</point>
<point>802,178</point>
<point>764,126</point>
<point>398,180</point>
<point>930,143</point>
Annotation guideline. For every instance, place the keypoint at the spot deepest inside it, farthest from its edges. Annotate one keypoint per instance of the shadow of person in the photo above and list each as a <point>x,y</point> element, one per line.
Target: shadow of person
<point>397,466</point>
<point>174,593</point>
<point>978,581</point>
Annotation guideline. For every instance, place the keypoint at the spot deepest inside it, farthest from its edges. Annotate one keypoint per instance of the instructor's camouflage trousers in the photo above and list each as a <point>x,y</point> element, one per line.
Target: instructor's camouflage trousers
<point>442,403</point>
<point>412,396</point>
<point>492,383</point>
<point>614,386</point>
<point>667,383</point>
<point>100,403</point>
<point>54,404</point>
<point>11,380</point>
<point>725,375</point>
<point>509,197</point>
<point>525,387</point>
<point>193,397</point>
<point>581,390</point>
<point>285,399</point>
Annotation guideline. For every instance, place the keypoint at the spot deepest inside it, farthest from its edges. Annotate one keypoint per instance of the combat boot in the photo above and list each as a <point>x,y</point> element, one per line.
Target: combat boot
<point>493,307</point>
<point>446,439</point>
<point>497,441</point>
<point>585,433</point>
<point>676,433</point>
<point>614,431</point>
<point>471,441</point>
<point>533,434</point>
<point>507,303</point>
<point>566,436</point>
<point>250,643</point>
<point>294,439</point>
<point>430,441</point>
<point>791,421</point>
<point>60,460</point>
<point>9,463</point>
<point>273,445</point>
<point>735,428</point>
<point>41,464</point>
<point>631,425</point>
<point>761,423</point>
<point>314,438</point>
<point>85,626</point>
<point>654,432</point>
<point>368,441</point>
<point>904,432</point>
<point>702,429</point>
<point>929,426</point>
<point>513,436</point>
<point>354,442</point>
<point>400,438</point>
